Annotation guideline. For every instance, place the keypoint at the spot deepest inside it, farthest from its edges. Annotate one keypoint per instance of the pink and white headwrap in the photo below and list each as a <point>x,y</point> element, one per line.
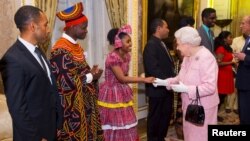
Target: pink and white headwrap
<point>126,29</point>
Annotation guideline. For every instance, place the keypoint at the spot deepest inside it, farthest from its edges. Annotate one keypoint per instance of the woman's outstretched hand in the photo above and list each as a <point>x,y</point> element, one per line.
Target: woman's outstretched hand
<point>149,80</point>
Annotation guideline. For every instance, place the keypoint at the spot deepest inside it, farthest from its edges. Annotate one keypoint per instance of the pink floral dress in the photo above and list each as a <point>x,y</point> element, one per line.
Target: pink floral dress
<point>116,103</point>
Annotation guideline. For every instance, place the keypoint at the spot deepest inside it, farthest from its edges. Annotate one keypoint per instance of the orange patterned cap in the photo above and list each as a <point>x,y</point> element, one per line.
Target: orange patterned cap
<point>72,15</point>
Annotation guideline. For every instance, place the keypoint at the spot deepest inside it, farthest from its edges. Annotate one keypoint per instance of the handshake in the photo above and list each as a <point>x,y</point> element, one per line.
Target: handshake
<point>167,83</point>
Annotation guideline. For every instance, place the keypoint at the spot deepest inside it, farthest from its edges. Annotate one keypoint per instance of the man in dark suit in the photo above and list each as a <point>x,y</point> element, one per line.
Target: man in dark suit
<point>243,74</point>
<point>208,17</point>
<point>158,63</point>
<point>28,84</point>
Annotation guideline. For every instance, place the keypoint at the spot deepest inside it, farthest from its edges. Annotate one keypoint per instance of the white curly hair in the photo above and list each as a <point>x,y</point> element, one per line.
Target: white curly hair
<point>188,35</point>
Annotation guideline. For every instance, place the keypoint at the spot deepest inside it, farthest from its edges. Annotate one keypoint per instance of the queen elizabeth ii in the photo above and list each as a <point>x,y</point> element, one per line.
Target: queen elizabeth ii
<point>199,69</point>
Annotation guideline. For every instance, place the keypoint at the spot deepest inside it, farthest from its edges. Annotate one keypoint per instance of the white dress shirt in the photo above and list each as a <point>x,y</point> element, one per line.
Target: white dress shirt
<point>31,49</point>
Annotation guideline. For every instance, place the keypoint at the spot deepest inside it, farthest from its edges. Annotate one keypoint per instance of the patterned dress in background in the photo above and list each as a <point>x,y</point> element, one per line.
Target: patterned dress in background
<point>78,98</point>
<point>116,103</point>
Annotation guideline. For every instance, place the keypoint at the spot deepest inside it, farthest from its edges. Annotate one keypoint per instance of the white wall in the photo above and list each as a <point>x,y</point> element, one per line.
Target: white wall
<point>223,12</point>
<point>222,8</point>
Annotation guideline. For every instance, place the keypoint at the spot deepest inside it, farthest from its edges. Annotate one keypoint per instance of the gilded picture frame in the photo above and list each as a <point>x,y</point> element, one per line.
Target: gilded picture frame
<point>169,10</point>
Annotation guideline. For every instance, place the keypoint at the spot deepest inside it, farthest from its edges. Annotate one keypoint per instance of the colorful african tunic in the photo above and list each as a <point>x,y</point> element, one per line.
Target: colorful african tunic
<point>78,98</point>
<point>116,103</point>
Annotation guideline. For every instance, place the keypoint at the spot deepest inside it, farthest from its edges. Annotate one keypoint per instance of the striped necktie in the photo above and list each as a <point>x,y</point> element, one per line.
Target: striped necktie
<point>246,43</point>
<point>164,46</point>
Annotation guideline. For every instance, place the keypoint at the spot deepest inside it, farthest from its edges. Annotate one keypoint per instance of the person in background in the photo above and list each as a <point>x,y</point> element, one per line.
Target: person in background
<point>208,17</point>
<point>29,85</point>
<point>77,82</point>
<point>186,21</point>
<point>158,63</point>
<point>198,69</point>
<point>115,96</point>
<point>238,43</point>
<point>232,100</point>
<point>224,55</point>
<point>243,74</point>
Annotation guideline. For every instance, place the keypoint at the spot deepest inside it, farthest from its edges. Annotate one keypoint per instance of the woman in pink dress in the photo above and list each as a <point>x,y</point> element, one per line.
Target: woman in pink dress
<point>115,97</point>
<point>199,68</point>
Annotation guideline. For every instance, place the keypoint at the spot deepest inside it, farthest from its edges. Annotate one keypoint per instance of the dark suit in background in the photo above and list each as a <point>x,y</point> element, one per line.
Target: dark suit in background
<point>205,40</point>
<point>243,73</point>
<point>208,17</point>
<point>243,86</point>
<point>31,98</point>
<point>159,64</point>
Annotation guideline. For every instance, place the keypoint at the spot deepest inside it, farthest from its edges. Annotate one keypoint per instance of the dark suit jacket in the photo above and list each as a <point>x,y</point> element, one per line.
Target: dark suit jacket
<point>243,72</point>
<point>31,98</point>
<point>157,64</point>
<point>205,41</point>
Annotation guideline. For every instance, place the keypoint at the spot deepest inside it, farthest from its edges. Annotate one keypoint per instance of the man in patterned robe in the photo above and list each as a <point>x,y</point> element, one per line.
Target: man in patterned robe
<point>76,81</point>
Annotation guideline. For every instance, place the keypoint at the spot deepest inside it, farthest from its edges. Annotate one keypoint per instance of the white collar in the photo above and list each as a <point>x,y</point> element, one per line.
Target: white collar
<point>27,44</point>
<point>66,36</point>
